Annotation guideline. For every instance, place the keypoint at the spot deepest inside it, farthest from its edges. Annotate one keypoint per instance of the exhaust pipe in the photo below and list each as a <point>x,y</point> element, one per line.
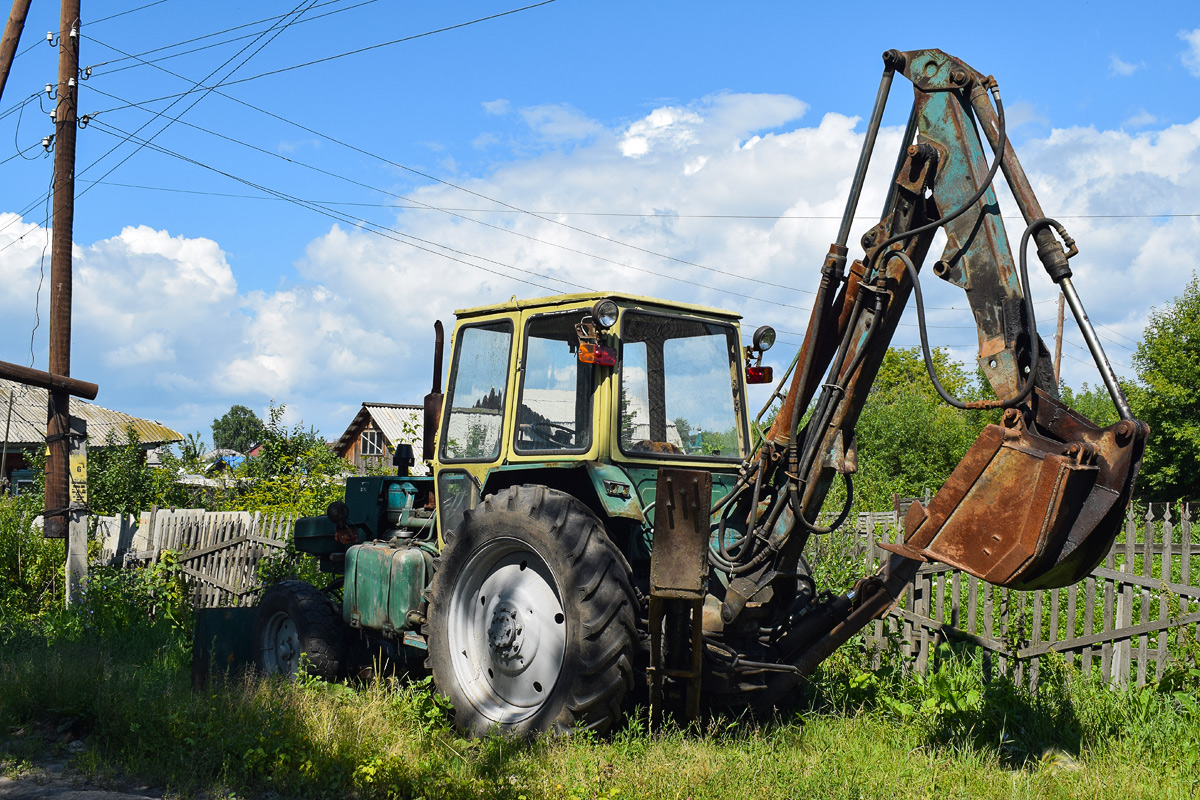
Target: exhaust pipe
<point>433,400</point>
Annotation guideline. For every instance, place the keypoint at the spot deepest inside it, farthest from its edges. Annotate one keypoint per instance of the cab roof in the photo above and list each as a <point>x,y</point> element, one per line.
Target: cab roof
<point>621,298</point>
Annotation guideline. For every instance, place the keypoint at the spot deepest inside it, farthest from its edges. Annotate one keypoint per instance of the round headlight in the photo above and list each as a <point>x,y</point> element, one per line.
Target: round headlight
<point>605,313</point>
<point>764,338</point>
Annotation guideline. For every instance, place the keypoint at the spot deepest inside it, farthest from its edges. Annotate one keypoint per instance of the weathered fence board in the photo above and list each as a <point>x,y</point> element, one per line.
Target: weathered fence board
<point>1123,621</point>
<point>218,551</point>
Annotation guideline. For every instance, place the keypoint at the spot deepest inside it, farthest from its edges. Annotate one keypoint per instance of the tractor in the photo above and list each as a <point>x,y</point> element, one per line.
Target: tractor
<point>604,516</point>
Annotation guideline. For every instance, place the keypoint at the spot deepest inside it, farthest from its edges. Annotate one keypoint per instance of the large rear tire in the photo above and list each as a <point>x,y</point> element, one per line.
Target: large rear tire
<point>294,619</point>
<point>532,623</point>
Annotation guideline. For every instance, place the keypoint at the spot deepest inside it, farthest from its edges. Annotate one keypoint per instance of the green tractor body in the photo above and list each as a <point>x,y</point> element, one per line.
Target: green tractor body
<point>555,406</point>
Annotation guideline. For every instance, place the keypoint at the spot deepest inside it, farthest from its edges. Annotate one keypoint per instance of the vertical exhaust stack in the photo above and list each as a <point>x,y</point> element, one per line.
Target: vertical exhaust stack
<point>433,400</point>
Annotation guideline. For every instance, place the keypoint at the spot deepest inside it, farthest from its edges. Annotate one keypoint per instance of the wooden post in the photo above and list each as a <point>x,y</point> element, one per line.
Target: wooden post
<point>58,406</point>
<point>12,37</point>
<point>76,568</point>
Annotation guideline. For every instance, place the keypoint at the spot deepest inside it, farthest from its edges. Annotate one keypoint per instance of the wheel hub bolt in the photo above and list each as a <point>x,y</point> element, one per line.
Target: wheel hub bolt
<point>505,632</point>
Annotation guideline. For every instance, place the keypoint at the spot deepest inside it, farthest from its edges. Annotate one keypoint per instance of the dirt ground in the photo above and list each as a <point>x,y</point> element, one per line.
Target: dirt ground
<point>50,780</point>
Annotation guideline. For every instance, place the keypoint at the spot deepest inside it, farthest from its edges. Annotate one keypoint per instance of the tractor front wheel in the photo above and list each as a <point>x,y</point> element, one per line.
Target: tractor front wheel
<point>293,620</point>
<point>531,622</point>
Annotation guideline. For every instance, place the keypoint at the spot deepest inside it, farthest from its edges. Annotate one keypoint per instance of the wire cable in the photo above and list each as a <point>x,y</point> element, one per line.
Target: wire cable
<point>373,227</point>
<point>128,11</point>
<point>508,231</point>
<point>222,43</point>
<point>296,13</point>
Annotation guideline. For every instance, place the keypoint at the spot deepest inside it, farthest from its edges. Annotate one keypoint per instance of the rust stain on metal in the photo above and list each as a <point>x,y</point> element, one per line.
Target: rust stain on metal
<point>1032,508</point>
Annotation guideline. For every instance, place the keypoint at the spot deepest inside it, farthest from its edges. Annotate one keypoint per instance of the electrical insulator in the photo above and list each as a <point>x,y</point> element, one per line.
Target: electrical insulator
<point>74,32</point>
<point>71,83</point>
<point>50,89</point>
<point>54,115</point>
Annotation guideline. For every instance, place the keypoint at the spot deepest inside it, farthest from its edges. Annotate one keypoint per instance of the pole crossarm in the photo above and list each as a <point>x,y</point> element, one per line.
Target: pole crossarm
<point>48,380</point>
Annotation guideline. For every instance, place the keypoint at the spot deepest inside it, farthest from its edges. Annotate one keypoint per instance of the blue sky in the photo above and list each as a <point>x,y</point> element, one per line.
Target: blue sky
<point>196,290</point>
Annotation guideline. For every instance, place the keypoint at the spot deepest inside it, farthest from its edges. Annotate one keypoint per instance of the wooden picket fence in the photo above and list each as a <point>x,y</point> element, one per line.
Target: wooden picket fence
<point>1136,611</point>
<point>218,551</point>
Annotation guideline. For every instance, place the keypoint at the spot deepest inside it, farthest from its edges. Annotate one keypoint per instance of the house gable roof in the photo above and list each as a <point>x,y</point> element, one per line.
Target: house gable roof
<point>389,418</point>
<point>27,428</point>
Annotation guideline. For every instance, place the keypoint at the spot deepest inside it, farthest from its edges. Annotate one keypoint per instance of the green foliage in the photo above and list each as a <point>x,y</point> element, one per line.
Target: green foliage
<point>296,472</point>
<point>908,439</point>
<point>239,429</point>
<point>719,442</point>
<point>31,566</point>
<point>192,450</point>
<point>1167,361</point>
<point>117,600</point>
<point>866,733</point>
<point>294,451</point>
<point>119,482</point>
<point>1093,402</point>
<point>289,563</point>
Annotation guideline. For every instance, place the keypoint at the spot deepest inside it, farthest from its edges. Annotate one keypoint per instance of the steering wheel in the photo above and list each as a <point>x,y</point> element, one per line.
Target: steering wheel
<point>551,427</point>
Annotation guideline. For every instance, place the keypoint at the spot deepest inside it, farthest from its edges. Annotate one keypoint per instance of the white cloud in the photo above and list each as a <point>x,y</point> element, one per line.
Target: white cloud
<point>1022,113</point>
<point>560,123</point>
<point>667,127</point>
<point>162,322</point>
<point>1141,119</point>
<point>302,144</point>
<point>496,107</point>
<point>1191,56</point>
<point>1121,68</point>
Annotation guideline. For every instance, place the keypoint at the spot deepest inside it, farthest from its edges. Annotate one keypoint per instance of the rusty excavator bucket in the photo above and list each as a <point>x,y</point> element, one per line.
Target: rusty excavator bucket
<point>1036,502</point>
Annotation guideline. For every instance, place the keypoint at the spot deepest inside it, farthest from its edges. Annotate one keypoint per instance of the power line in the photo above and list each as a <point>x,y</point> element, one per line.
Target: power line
<point>416,206</point>
<point>509,231</point>
<point>123,13</point>
<point>296,13</point>
<point>141,61</point>
<point>372,227</point>
<point>348,53</point>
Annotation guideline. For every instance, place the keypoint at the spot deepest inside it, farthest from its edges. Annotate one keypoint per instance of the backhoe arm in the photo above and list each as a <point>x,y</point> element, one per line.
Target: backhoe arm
<point>1037,500</point>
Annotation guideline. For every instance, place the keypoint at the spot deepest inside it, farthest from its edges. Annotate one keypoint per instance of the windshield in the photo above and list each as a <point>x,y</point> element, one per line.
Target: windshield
<point>679,387</point>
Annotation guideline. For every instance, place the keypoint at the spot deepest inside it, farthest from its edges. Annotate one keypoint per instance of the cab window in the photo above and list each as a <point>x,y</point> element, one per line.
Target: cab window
<point>679,395</point>
<point>555,408</point>
<point>475,397</point>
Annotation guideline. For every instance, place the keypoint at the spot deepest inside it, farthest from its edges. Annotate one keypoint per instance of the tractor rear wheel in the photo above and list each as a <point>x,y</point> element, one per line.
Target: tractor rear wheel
<point>294,619</point>
<point>531,623</point>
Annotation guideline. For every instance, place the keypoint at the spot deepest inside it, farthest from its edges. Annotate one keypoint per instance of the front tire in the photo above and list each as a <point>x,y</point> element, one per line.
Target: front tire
<point>295,619</point>
<point>531,624</point>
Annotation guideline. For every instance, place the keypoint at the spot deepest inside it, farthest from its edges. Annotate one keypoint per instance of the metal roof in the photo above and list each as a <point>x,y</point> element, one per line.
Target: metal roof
<point>389,418</point>
<point>625,298</point>
<point>27,427</point>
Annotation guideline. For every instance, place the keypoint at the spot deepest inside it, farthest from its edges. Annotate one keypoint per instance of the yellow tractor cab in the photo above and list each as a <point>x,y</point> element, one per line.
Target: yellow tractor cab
<point>602,388</point>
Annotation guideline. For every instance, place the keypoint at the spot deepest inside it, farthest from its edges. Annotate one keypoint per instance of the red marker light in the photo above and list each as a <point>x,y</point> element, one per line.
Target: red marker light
<point>597,354</point>
<point>759,374</point>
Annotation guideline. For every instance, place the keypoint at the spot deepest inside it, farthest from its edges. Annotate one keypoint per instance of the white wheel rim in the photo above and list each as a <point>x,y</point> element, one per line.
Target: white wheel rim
<point>281,644</point>
<point>507,632</point>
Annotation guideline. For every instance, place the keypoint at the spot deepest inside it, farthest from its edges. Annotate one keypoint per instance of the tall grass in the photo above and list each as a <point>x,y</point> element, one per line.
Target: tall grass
<point>123,689</point>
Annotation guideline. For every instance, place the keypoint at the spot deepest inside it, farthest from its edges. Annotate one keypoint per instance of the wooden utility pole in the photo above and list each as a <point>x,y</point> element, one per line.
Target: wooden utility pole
<point>12,37</point>
<point>1058,339</point>
<point>58,425</point>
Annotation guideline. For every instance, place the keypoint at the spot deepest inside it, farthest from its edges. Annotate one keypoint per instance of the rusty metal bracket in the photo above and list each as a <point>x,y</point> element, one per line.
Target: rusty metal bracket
<point>678,583</point>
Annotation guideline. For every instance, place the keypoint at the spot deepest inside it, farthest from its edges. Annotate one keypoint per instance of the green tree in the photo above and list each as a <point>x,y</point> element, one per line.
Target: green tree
<point>119,482</point>
<point>240,429</point>
<point>192,449</point>
<point>908,439</point>
<point>295,472</point>
<point>1094,402</point>
<point>684,429</point>
<point>1167,361</point>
